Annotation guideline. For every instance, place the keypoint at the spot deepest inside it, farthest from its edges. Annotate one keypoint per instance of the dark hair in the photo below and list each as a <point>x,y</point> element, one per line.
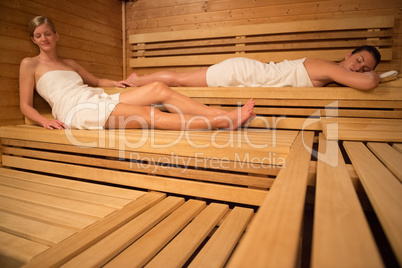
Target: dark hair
<point>372,50</point>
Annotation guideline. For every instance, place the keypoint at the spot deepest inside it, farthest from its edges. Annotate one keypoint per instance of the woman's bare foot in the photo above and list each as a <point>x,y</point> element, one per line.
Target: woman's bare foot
<point>234,119</point>
<point>131,78</point>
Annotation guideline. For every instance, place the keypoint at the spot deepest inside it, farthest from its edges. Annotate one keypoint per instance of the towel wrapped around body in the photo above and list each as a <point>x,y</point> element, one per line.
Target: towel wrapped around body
<point>243,72</point>
<point>75,103</point>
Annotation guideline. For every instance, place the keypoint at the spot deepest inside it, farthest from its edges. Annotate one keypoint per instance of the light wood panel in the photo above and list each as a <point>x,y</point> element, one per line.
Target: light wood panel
<point>44,212</point>
<point>90,33</point>
<point>164,16</point>
<point>383,189</point>
<point>341,233</point>
<point>277,225</point>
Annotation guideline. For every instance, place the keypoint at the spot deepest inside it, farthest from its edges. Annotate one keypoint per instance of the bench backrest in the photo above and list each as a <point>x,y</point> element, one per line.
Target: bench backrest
<point>329,39</point>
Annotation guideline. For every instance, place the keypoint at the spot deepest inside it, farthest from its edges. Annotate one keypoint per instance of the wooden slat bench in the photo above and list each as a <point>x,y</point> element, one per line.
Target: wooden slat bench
<point>206,185</point>
<point>152,229</point>
<point>331,39</point>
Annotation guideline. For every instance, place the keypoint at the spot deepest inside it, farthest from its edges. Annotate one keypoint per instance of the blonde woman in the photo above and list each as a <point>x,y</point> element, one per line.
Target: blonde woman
<point>77,103</point>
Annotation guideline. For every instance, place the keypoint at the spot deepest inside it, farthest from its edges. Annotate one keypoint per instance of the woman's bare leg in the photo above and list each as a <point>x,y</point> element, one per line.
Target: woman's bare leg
<point>188,79</point>
<point>129,116</point>
<point>175,102</point>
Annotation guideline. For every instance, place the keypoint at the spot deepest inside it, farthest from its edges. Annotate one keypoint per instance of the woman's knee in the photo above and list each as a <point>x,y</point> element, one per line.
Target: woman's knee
<point>161,90</point>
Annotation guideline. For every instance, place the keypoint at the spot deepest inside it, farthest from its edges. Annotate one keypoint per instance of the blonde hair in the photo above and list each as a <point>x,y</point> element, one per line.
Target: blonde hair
<point>37,21</point>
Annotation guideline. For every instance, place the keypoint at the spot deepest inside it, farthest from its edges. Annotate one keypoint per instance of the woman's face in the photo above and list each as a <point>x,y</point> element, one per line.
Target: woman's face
<point>44,37</point>
<point>361,61</point>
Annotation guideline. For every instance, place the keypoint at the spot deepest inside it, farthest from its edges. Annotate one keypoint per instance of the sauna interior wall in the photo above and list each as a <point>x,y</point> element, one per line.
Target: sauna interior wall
<point>90,33</point>
<point>143,16</point>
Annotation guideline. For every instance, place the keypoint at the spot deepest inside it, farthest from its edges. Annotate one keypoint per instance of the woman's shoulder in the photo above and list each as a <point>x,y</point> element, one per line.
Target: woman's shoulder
<point>29,61</point>
<point>29,65</point>
<point>70,62</point>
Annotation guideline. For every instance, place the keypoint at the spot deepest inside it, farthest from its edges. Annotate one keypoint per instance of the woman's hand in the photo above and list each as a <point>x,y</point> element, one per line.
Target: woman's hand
<point>53,124</point>
<point>124,83</point>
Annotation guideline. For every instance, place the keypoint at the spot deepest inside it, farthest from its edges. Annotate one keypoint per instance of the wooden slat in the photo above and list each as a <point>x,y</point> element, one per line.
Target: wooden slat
<point>398,147</point>
<point>103,251</point>
<point>90,198</point>
<point>383,190</point>
<point>269,28</point>
<point>72,184</point>
<point>391,158</point>
<point>153,167</point>
<point>350,34</point>
<point>16,251</point>
<point>171,159</point>
<point>177,252</point>
<point>71,247</point>
<point>363,129</point>
<point>40,232</point>
<point>382,97</point>
<point>195,144</point>
<point>206,60</point>
<point>341,233</point>
<point>277,225</point>
<point>47,214</point>
<point>141,251</point>
<point>56,202</point>
<point>250,48</point>
<point>163,184</point>
<point>220,246</point>
<point>316,93</point>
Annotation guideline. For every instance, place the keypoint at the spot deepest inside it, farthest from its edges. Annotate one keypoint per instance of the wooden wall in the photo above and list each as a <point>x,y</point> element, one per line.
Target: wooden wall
<point>90,33</point>
<point>144,16</point>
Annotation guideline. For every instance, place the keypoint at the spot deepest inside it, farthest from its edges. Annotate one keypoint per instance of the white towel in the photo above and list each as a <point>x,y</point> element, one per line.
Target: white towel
<point>243,72</point>
<point>73,102</point>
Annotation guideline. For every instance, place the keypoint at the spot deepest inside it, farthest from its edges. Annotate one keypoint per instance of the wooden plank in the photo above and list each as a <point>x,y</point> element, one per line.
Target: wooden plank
<point>91,198</point>
<point>276,228</point>
<point>177,252</point>
<point>103,251</point>
<point>55,216</point>
<point>398,147</point>
<point>288,93</point>
<point>383,190</point>
<point>341,233</point>
<point>350,34</point>
<point>152,166</point>
<point>391,158</point>
<point>359,135</point>
<point>382,97</point>
<point>166,160</point>
<point>40,232</point>
<point>73,184</point>
<point>71,247</point>
<point>56,202</point>
<point>206,60</point>
<point>16,251</point>
<point>364,129</point>
<point>171,185</point>
<point>250,48</point>
<point>268,28</point>
<point>196,144</point>
<point>220,246</point>
<point>141,251</point>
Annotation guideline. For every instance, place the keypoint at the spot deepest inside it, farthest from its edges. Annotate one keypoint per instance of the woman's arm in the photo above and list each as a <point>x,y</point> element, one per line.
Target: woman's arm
<point>26,84</point>
<point>330,72</point>
<point>92,80</point>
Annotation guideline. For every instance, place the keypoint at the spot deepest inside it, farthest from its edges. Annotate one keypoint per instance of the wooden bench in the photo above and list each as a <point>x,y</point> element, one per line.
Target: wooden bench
<point>329,39</point>
<point>280,165</point>
<point>95,225</point>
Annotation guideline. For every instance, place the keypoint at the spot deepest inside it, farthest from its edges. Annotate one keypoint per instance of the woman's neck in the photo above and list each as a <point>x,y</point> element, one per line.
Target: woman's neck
<point>48,56</point>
